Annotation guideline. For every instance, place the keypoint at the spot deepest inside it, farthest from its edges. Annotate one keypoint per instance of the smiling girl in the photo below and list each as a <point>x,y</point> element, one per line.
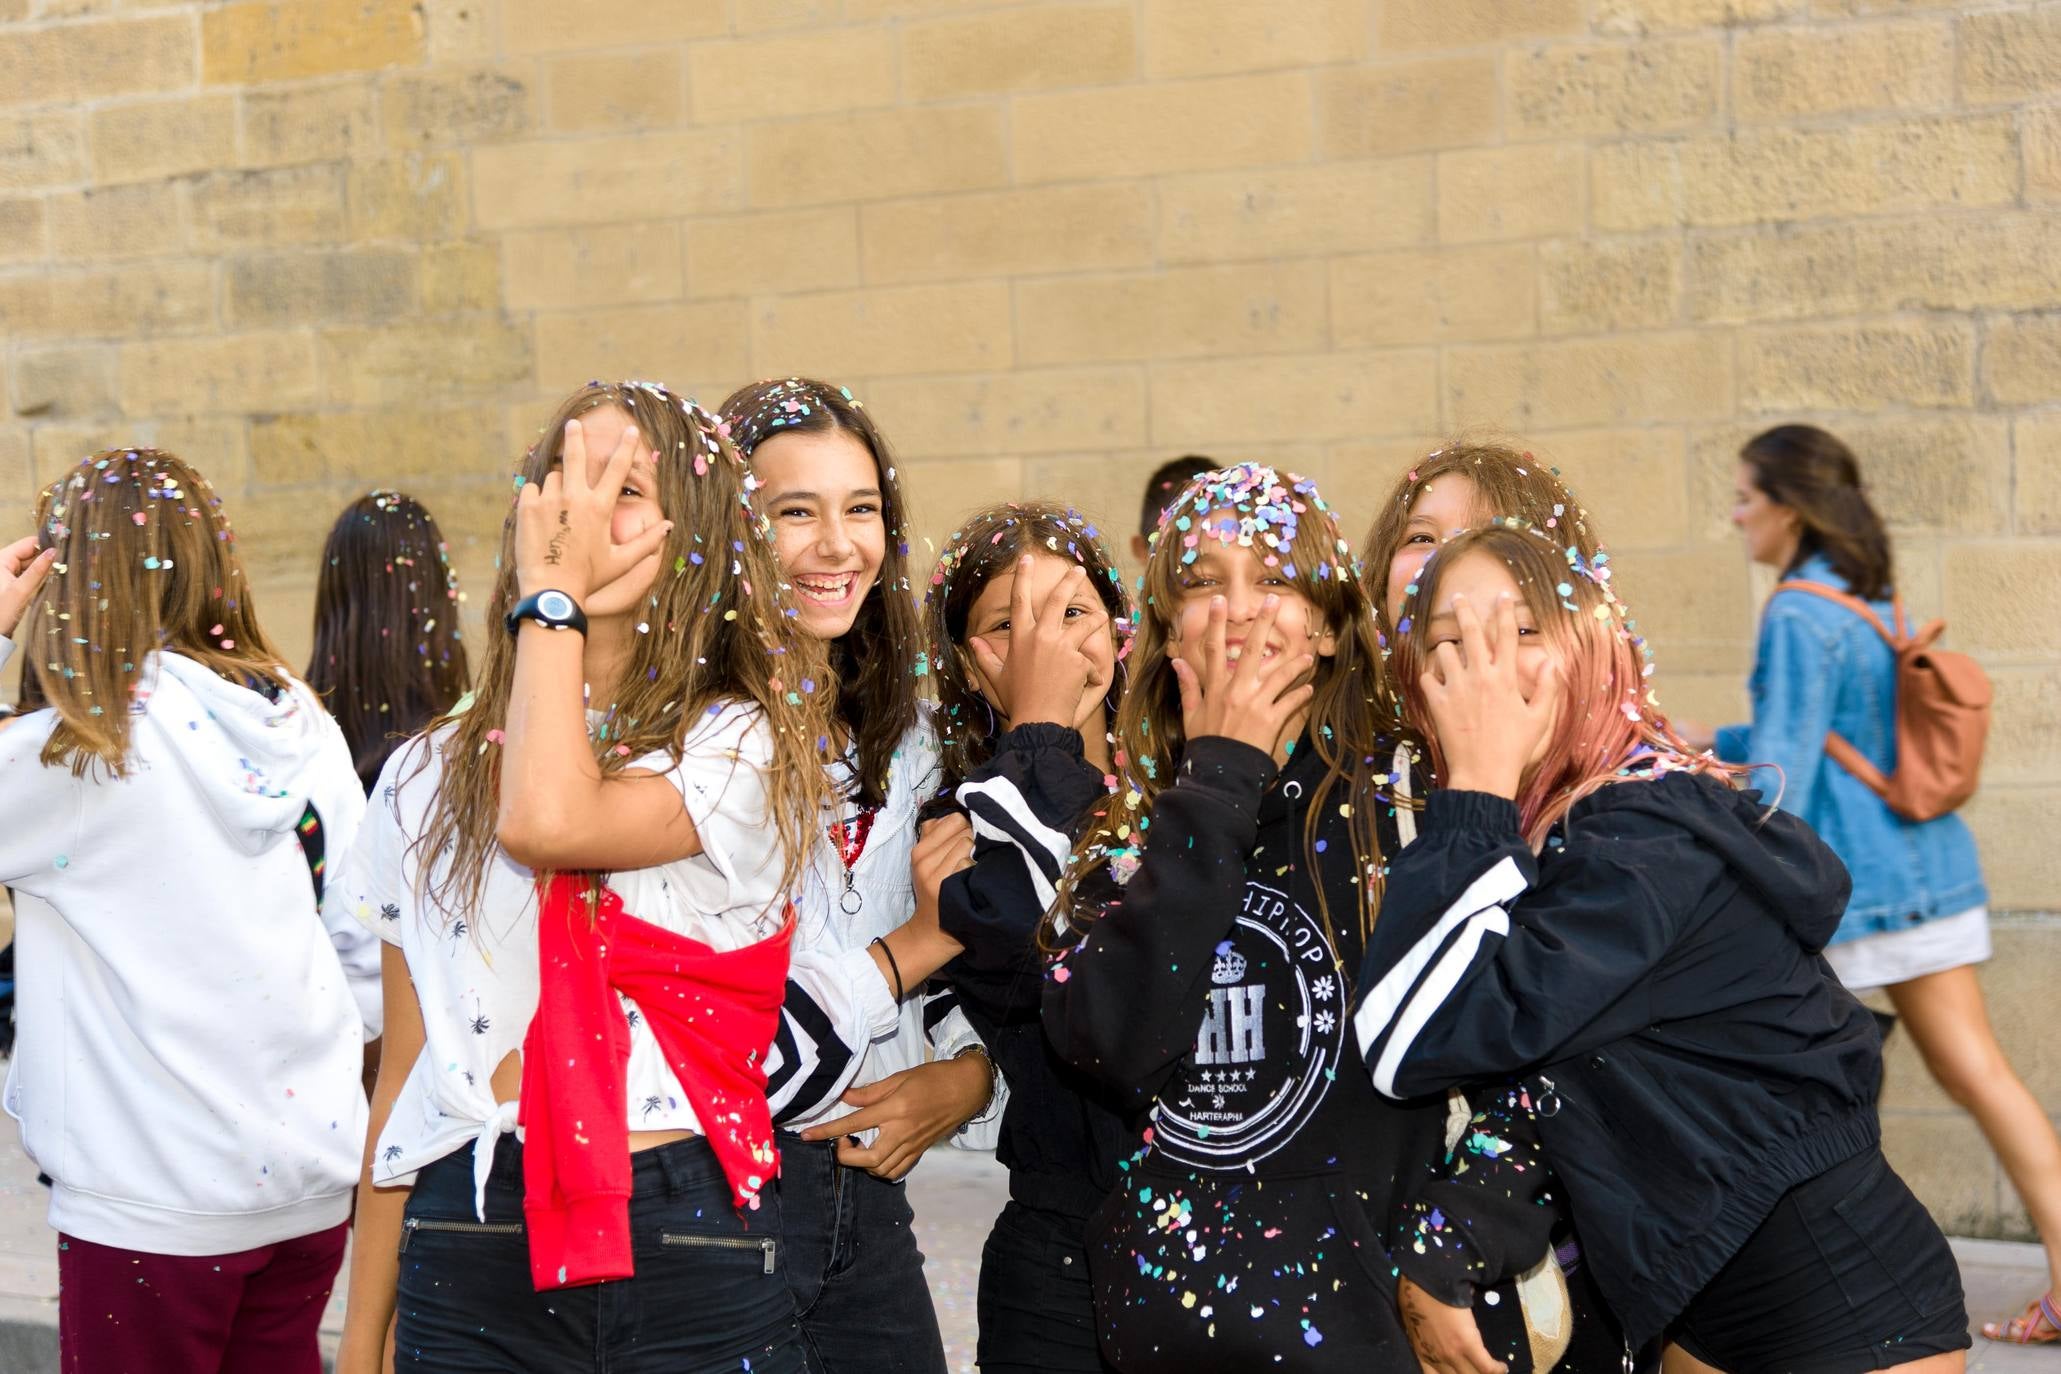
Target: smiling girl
<point>1464,485</point>
<point>826,481</point>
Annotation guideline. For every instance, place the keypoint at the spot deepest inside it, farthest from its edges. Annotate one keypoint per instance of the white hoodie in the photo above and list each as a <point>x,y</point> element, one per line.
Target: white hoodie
<point>187,1068</point>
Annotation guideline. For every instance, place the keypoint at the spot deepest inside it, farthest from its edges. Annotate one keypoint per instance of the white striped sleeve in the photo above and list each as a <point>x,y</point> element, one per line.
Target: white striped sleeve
<point>836,1006</point>
<point>1396,1009</point>
<point>1001,814</point>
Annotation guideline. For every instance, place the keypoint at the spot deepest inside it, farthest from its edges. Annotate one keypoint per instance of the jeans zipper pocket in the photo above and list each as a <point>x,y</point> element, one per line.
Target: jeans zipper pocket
<point>475,1228</point>
<point>767,1247</point>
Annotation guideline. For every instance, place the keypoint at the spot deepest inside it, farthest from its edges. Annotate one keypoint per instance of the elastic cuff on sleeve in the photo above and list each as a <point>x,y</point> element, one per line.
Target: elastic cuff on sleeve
<point>1229,769</point>
<point>1435,1276</point>
<point>1041,734</point>
<point>872,998</point>
<point>1448,809</point>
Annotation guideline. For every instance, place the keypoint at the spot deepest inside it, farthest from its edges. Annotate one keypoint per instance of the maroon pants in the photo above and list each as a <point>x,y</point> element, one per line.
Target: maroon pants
<point>253,1312</point>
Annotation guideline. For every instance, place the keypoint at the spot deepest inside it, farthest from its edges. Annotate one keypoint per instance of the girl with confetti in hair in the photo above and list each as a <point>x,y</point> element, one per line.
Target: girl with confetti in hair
<point>1591,901</point>
<point>388,657</point>
<point>1026,609</point>
<point>646,710</point>
<point>1466,485</point>
<point>190,1047</point>
<point>1213,916</point>
<point>913,1072</point>
<point>1495,1208</point>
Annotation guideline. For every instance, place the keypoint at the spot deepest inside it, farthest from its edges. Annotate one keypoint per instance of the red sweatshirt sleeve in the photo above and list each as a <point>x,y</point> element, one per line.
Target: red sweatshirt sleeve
<point>575,1107</point>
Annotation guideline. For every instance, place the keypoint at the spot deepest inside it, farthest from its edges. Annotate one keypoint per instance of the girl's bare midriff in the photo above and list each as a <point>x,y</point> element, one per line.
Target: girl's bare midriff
<point>508,1088</point>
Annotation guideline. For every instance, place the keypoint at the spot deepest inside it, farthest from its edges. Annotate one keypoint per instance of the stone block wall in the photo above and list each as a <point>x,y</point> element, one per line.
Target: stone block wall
<point>317,245</point>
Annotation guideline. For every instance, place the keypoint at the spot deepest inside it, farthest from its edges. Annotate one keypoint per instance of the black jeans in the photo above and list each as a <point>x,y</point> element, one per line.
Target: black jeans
<point>1037,1306</point>
<point>707,1296</point>
<point>854,1268</point>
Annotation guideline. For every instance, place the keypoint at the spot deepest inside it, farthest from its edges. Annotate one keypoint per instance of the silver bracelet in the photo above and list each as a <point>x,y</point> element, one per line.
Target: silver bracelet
<point>987,1108</point>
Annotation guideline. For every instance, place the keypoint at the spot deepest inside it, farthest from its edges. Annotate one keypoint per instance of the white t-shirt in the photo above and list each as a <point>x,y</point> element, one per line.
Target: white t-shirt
<point>475,973</point>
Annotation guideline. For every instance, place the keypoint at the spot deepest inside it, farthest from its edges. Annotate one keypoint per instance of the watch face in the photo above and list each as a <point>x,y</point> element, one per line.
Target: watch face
<point>556,605</point>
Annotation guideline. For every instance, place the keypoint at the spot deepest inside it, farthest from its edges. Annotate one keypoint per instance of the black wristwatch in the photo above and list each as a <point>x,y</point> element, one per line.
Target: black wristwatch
<point>552,609</point>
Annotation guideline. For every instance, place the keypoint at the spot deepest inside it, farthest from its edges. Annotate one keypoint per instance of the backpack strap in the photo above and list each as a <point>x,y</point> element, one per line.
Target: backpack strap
<point>314,848</point>
<point>1841,751</point>
<point>1854,604</point>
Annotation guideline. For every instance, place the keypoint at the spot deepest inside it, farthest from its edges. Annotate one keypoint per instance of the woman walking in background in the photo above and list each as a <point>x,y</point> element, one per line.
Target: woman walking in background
<point>388,658</point>
<point>1917,923</point>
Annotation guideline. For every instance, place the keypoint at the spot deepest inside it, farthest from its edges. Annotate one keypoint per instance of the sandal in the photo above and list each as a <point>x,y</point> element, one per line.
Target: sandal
<point>2039,1324</point>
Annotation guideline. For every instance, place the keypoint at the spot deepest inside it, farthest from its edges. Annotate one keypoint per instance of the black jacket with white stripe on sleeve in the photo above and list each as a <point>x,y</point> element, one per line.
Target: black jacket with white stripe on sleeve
<point>1658,973</point>
<point>1060,1137</point>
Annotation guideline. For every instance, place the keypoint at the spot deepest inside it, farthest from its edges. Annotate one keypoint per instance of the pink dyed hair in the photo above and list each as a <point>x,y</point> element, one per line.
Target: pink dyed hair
<point>1610,719</point>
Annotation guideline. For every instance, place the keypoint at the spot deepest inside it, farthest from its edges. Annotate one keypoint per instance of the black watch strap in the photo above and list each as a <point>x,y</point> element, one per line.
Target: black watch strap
<point>551,608</point>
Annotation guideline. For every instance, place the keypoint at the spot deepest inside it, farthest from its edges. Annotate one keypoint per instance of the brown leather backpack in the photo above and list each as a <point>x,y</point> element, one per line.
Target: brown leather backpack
<point>1942,716</point>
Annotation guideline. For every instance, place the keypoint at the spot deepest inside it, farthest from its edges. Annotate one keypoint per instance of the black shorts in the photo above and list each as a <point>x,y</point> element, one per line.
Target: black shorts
<point>1847,1273</point>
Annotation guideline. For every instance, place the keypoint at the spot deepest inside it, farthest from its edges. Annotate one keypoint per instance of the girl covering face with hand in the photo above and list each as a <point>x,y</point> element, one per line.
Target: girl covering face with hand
<point>1214,914</point>
<point>1591,903</point>
<point>1025,611</point>
<point>1499,1208</point>
<point>646,710</point>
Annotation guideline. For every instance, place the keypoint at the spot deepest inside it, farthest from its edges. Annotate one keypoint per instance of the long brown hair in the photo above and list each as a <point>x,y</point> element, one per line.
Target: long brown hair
<point>146,562</point>
<point>388,657</point>
<point>1283,512</point>
<point>1815,475</point>
<point>721,627</point>
<point>990,542</point>
<point>1610,718</point>
<point>874,662</point>
<point>1510,482</point>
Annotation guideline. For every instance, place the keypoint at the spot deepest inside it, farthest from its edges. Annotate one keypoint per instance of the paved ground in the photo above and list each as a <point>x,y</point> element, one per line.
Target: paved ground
<point>956,1196</point>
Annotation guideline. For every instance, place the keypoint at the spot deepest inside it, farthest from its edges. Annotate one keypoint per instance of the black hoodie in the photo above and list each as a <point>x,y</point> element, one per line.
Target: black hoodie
<point>1250,1231</point>
<point>1659,970</point>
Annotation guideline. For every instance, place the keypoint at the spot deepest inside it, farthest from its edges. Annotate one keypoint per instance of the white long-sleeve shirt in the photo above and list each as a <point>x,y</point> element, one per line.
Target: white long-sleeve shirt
<point>817,1054</point>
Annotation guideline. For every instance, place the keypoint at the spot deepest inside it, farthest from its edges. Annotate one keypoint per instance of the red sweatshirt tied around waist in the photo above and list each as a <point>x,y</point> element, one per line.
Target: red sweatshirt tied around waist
<point>714,1015</point>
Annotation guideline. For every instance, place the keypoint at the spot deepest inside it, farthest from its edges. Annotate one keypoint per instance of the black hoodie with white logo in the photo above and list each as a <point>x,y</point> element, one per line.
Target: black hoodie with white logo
<point>1210,988</point>
<point>1658,971</point>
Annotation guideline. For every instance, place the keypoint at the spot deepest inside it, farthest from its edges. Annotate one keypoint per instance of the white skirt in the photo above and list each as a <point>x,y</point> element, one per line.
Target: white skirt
<point>1897,956</point>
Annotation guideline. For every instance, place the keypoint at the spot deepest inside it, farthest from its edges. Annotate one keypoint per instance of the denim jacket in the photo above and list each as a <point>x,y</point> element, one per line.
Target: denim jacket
<point>1820,667</point>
